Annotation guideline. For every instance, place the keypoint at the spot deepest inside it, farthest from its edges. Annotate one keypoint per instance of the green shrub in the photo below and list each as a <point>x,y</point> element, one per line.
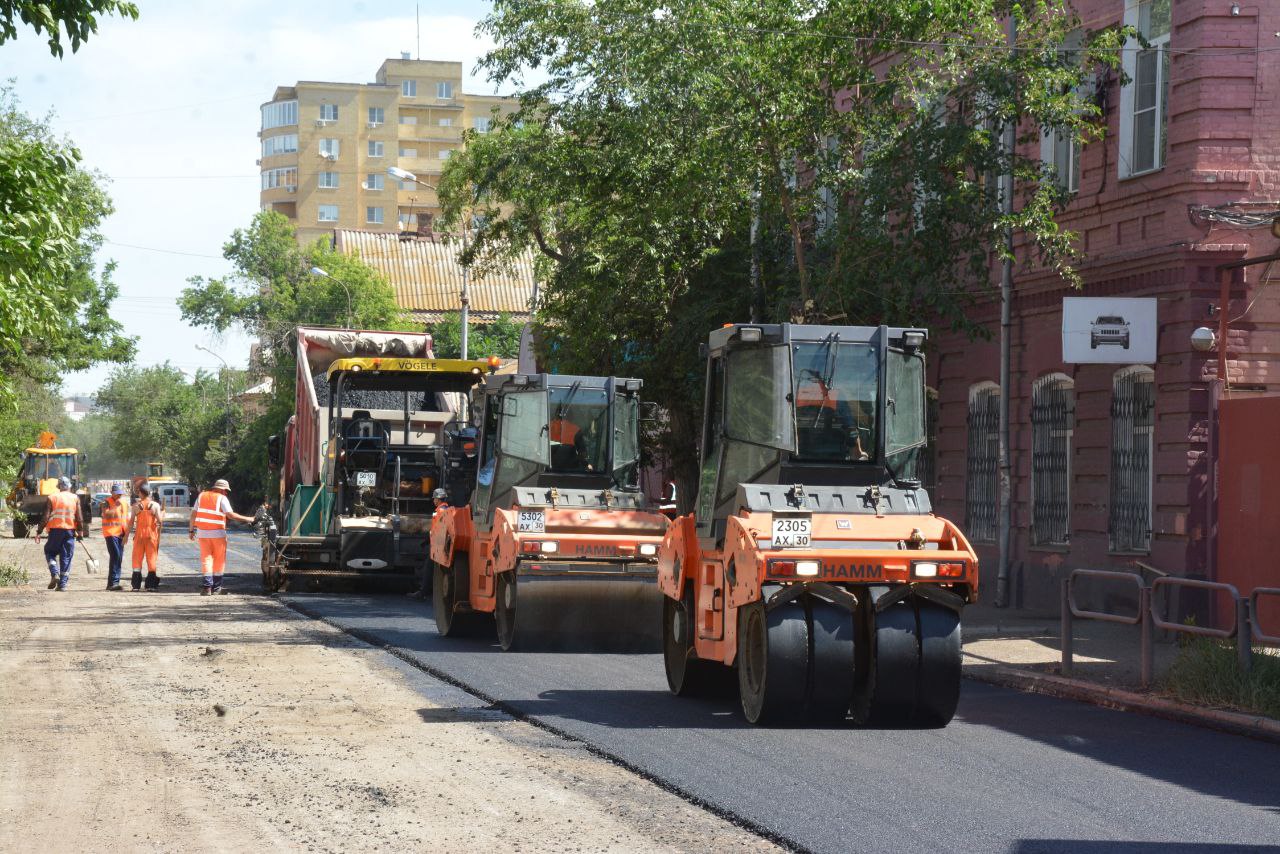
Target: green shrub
<point>13,575</point>
<point>1206,672</point>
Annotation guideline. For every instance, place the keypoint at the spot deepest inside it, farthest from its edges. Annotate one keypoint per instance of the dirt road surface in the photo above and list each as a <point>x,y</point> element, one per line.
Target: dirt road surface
<point>170,721</point>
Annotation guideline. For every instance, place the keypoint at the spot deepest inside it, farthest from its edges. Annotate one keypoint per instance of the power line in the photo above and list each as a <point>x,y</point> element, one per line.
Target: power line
<point>165,251</point>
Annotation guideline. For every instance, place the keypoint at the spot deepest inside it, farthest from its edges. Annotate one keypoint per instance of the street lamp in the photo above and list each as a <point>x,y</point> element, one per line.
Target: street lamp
<point>405,175</point>
<point>226,386</point>
<point>316,271</point>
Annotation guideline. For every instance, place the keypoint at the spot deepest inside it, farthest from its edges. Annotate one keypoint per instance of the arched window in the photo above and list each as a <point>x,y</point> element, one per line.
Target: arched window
<point>983,459</point>
<point>1133,407</point>
<point>1053,418</point>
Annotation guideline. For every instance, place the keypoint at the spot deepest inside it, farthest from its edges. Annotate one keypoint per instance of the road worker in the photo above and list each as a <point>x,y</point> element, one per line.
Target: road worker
<point>828,423</point>
<point>115,532</point>
<point>669,504</point>
<point>568,445</point>
<point>63,519</point>
<point>209,524</point>
<point>146,522</point>
<point>440,500</point>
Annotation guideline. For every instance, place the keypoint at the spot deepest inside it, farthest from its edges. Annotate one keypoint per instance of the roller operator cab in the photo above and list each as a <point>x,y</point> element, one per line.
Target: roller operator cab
<point>813,562</point>
<point>557,542</point>
<point>390,431</point>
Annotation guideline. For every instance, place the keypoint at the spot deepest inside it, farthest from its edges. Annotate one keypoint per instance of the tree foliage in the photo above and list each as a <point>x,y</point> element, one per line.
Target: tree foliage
<point>78,19</point>
<point>867,133</point>
<point>55,306</point>
<point>500,337</point>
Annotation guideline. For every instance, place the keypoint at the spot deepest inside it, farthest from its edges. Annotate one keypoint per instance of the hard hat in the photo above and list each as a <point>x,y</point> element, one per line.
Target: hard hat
<point>64,482</point>
<point>440,494</point>
<point>117,489</point>
<point>221,484</point>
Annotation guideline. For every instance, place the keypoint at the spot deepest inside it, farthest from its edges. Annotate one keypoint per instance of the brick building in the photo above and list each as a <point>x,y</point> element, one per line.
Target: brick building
<point>1112,462</point>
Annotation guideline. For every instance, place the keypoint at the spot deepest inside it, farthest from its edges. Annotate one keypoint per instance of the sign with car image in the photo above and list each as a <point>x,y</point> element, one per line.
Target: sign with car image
<point>1109,330</point>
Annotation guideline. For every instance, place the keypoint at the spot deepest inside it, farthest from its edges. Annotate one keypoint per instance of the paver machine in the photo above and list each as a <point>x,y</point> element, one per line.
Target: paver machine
<point>813,562</point>
<point>558,541</point>
<point>379,425</point>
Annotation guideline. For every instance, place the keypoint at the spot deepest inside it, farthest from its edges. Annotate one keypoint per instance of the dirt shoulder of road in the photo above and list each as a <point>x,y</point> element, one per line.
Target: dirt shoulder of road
<point>170,721</point>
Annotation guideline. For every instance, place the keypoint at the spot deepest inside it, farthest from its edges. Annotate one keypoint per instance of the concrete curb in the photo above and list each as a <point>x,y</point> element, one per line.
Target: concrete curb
<point>1236,723</point>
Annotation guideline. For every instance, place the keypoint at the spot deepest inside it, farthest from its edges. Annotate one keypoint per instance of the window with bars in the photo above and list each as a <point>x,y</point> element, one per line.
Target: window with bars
<point>983,459</point>
<point>1133,407</point>
<point>1053,416</point>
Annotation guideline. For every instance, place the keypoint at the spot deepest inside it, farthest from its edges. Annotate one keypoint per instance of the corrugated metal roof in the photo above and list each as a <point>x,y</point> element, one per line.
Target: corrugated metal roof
<point>427,277</point>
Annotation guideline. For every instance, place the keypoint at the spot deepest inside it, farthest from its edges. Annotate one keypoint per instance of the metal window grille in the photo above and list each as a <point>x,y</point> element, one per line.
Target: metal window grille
<point>1053,405</point>
<point>983,459</point>
<point>1133,406</point>
<point>929,459</point>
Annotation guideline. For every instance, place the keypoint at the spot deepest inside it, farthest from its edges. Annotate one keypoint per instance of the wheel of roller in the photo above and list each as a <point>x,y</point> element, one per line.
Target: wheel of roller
<point>446,585</point>
<point>688,675</point>
<point>889,672</point>
<point>940,657</point>
<point>831,685</point>
<point>504,612</point>
<point>773,661</point>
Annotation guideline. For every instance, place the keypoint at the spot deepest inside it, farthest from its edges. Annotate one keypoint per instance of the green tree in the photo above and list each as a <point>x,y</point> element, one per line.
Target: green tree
<point>78,18</point>
<point>500,337</point>
<point>868,131</point>
<point>54,304</point>
<point>95,437</point>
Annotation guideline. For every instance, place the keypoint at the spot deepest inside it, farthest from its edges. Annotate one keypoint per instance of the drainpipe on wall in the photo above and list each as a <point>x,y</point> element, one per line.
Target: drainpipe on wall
<point>1005,482</point>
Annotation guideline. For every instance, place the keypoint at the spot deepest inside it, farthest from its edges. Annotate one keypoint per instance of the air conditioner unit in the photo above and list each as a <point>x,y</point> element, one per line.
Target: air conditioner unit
<point>321,122</point>
<point>375,124</point>
<point>290,189</point>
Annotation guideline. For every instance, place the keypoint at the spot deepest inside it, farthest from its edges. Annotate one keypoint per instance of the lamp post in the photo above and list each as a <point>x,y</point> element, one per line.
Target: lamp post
<point>323,274</point>
<point>405,175</point>
<point>226,387</point>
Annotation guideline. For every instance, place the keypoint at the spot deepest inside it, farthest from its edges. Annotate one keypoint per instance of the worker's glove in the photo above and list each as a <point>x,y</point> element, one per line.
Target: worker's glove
<point>79,538</point>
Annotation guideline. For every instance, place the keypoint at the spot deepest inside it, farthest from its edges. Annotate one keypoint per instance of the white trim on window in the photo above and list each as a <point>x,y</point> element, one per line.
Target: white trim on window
<point>1156,61</point>
<point>327,213</point>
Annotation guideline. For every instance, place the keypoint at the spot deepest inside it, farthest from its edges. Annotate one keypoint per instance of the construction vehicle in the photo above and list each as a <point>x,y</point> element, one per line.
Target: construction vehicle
<point>557,540</point>
<point>377,422</point>
<point>813,562</point>
<point>42,465</point>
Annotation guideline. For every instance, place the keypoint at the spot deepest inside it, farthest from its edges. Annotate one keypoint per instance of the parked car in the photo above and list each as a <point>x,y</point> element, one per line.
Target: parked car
<point>96,501</point>
<point>1109,329</point>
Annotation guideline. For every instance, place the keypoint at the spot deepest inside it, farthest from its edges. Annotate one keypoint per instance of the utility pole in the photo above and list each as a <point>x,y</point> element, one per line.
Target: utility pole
<point>466,295</point>
<point>1004,463</point>
<point>757,287</point>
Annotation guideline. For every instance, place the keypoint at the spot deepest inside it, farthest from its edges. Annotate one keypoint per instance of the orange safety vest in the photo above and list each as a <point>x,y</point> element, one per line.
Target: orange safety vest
<point>115,518</point>
<point>206,515</point>
<point>62,511</point>
<point>146,521</point>
<point>562,431</point>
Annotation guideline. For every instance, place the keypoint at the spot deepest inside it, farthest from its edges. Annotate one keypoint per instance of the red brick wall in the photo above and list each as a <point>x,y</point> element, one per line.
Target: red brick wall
<point>1140,240</point>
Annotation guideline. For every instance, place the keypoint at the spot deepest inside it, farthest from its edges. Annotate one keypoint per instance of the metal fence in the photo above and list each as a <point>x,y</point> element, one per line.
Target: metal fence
<point>1148,616</point>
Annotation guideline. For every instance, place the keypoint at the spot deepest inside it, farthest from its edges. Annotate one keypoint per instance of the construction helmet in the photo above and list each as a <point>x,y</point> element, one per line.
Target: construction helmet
<point>440,495</point>
<point>64,482</point>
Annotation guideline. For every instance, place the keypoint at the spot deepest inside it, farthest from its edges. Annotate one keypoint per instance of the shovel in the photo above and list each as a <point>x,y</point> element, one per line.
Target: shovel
<point>90,563</point>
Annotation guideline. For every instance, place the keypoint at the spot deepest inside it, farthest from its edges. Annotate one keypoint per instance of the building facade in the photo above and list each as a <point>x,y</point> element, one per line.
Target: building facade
<point>326,147</point>
<point>1112,464</point>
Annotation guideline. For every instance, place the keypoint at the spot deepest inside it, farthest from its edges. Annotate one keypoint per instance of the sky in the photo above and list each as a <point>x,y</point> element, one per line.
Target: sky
<point>167,107</point>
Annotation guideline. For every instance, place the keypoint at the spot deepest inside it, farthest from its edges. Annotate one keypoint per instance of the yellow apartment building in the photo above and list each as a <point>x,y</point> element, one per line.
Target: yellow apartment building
<point>326,147</point>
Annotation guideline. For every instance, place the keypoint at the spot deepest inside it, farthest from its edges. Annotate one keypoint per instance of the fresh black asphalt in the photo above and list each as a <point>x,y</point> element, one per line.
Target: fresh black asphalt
<point>1014,772</point>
